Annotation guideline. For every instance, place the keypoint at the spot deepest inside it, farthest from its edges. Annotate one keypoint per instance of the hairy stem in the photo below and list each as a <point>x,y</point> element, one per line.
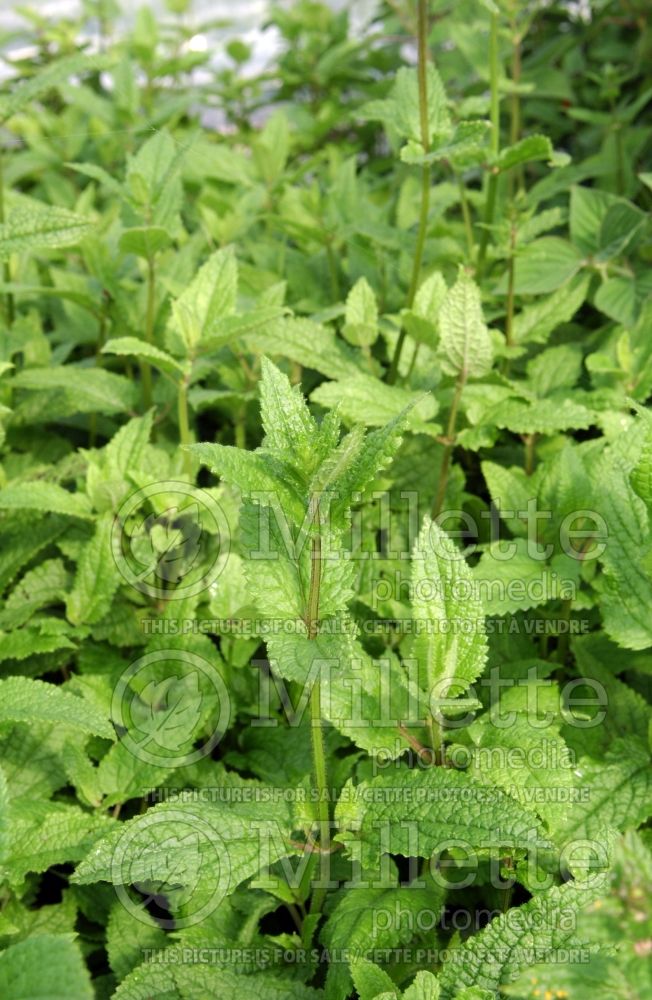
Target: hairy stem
<point>466,216</point>
<point>6,267</point>
<point>145,368</point>
<point>530,441</point>
<point>422,75</point>
<point>317,726</point>
<point>494,78</point>
<point>448,447</point>
<point>184,424</point>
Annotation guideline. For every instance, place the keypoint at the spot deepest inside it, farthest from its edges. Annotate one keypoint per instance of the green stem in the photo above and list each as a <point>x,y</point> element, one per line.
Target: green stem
<point>317,726</point>
<point>515,106</point>
<point>6,267</point>
<point>466,216</point>
<point>422,76</point>
<point>530,441</point>
<point>494,78</point>
<point>509,319</point>
<point>184,425</point>
<point>145,368</point>
<point>448,447</point>
<point>332,270</point>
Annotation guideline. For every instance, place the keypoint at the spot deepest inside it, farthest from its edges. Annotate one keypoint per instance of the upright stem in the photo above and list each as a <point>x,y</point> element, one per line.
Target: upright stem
<point>146,371</point>
<point>530,441</point>
<point>316,728</point>
<point>184,424</point>
<point>422,76</point>
<point>6,268</point>
<point>494,78</point>
<point>448,447</point>
<point>509,320</point>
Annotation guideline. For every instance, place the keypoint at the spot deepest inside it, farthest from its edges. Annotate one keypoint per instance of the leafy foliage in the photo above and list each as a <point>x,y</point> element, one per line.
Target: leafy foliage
<point>325,498</point>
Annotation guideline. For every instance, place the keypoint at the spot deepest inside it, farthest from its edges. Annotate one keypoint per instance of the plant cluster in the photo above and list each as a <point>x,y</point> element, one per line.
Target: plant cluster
<point>325,500</point>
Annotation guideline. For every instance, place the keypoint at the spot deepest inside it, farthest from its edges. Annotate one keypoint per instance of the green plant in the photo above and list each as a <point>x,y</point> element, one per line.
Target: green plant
<point>325,505</point>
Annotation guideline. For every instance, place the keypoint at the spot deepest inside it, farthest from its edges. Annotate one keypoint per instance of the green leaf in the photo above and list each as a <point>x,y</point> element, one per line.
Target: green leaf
<point>308,344</point>
<point>41,228</point>
<point>97,577</point>
<point>288,425</point>
<point>450,645</point>
<point>45,967</point>
<point>465,345</point>
<point>401,111</point>
<point>148,352</point>
<point>145,241</point>
<point>23,643</point>
<point>601,223</point>
<point>542,266</point>
<point>429,810</point>
<point>536,322</point>
<point>421,321</point>
<point>365,919</point>
<point>175,978</point>
<point>209,299</point>
<point>26,92</point>
<point>371,982</point>
<point>506,585</point>
<point>627,589</point>
<point>533,147</point>
<point>253,473</point>
<point>44,497</point>
<point>618,794</point>
<point>26,700</point>
<point>50,833</point>
<point>497,954</point>
<point>127,937</point>
<point>92,390</point>
<point>361,315</point>
<point>208,848</point>
<point>424,987</point>
<point>364,399</point>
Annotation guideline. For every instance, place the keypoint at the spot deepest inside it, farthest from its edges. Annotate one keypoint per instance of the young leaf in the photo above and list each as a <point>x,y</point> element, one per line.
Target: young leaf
<point>43,967</point>
<point>465,345</point>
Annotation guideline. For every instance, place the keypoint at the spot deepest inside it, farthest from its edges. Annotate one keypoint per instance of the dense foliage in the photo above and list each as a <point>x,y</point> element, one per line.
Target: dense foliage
<point>325,499</point>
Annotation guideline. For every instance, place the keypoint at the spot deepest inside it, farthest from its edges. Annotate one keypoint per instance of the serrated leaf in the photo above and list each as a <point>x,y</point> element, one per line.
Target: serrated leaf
<point>496,955</point>
<point>543,265</point>
<point>26,700</point>
<point>209,298</point>
<point>50,833</point>
<point>289,427</point>
<point>145,241</point>
<point>537,321</point>
<point>532,147</point>
<point>97,577</point>
<point>354,925</point>
<point>59,71</point>
<point>361,315</point>
<point>450,644</point>
<point>424,815</point>
<point>22,968</point>
<point>93,390</point>
<point>465,345</point>
<point>148,352</point>
<point>41,229</point>
<point>43,496</point>
<point>627,592</point>
<point>127,937</point>
<point>174,979</point>
<point>366,400</point>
